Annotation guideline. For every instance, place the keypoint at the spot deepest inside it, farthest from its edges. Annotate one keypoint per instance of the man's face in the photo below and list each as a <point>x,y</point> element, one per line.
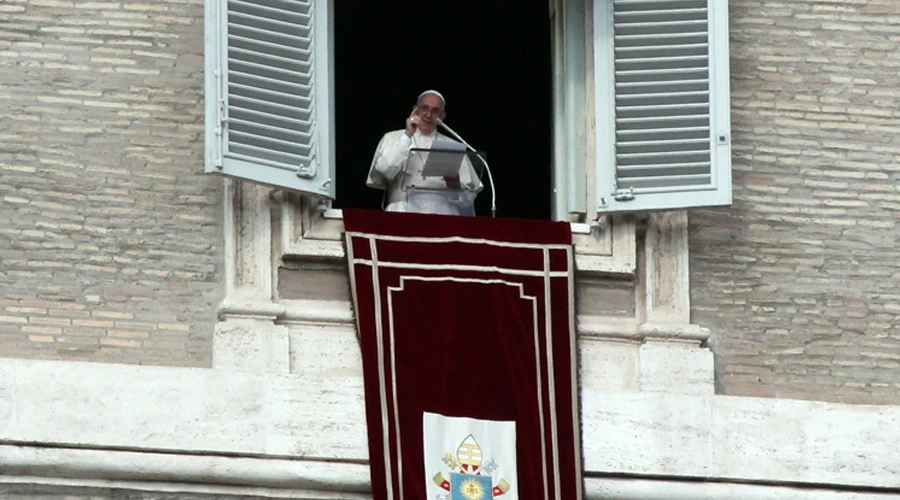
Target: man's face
<point>430,109</point>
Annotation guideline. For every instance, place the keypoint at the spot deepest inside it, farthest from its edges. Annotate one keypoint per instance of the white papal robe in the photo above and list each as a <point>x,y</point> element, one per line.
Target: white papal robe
<point>393,171</point>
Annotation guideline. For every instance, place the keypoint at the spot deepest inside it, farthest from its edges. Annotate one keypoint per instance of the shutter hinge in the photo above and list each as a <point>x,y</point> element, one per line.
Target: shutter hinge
<point>220,117</point>
<point>316,145</point>
<point>307,170</point>
<point>626,194</point>
<point>220,110</point>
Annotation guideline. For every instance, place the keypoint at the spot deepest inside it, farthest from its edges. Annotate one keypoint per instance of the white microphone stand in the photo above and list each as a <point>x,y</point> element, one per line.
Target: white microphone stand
<point>486,167</point>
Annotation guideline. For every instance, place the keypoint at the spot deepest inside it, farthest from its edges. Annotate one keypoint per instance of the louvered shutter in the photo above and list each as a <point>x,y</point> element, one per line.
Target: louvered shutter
<point>269,93</point>
<point>663,72</point>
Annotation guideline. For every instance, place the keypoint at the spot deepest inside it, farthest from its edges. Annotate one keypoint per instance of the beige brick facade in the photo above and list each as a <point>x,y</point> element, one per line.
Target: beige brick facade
<point>798,279</point>
<point>110,240</point>
<point>111,237</point>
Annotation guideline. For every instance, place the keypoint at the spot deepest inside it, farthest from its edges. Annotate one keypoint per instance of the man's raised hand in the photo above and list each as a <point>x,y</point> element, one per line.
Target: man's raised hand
<point>412,123</point>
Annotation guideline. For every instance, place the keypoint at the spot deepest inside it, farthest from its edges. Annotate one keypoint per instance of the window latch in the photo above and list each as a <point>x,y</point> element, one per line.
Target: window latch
<point>626,194</point>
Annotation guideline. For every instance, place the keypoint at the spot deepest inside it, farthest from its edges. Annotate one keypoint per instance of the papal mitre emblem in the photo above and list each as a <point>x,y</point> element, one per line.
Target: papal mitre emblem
<point>469,454</point>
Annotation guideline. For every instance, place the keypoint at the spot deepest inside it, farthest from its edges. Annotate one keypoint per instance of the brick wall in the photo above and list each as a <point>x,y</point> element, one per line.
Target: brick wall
<point>799,280</point>
<point>111,240</point>
<point>110,234</point>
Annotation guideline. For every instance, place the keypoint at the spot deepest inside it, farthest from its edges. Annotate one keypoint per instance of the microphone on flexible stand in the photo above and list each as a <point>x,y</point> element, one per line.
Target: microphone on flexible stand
<point>486,167</point>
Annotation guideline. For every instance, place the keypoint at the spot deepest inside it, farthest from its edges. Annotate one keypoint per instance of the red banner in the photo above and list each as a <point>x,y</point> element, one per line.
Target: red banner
<point>467,323</point>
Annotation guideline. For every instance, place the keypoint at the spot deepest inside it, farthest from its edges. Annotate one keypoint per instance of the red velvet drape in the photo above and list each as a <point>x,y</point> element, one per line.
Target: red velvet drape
<point>466,317</point>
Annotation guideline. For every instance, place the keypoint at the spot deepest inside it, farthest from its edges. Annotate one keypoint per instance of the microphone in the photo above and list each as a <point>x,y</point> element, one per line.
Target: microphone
<point>486,167</point>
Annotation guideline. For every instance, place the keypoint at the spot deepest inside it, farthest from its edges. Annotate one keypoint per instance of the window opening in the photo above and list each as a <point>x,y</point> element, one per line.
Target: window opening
<point>492,61</point>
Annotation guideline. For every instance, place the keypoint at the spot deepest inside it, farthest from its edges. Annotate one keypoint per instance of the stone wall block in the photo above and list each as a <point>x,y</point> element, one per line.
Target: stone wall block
<point>677,367</point>
<point>251,345</point>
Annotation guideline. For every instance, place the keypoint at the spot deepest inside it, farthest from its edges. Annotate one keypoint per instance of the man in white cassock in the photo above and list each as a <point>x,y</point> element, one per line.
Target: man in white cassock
<point>396,172</point>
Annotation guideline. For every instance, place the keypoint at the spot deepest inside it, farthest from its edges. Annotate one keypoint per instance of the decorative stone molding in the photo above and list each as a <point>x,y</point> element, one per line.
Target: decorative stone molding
<point>673,357</point>
<point>248,243</point>
<point>306,231</point>
<point>609,249</point>
<point>309,230</point>
<point>632,329</point>
<point>302,228</point>
<point>256,337</point>
<point>620,354</point>
<point>666,278</point>
<point>248,337</point>
<point>251,342</point>
<point>291,311</point>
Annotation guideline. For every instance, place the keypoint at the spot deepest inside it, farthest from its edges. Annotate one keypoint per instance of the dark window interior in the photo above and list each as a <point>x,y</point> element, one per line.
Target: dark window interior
<point>492,62</point>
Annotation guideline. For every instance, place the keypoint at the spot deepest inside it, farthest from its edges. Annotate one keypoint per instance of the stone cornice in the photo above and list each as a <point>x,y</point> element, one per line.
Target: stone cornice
<point>90,420</point>
<point>316,479</point>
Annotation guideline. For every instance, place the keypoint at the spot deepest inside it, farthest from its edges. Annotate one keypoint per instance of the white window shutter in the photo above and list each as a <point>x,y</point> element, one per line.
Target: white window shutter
<point>269,102</point>
<point>663,106</point>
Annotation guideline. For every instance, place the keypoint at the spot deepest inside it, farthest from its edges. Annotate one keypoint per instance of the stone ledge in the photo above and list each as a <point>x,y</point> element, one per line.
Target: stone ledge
<point>200,412</point>
<point>72,470</point>
<point>630,329</point>
<point>290,311</point>
<point>301,477</point>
